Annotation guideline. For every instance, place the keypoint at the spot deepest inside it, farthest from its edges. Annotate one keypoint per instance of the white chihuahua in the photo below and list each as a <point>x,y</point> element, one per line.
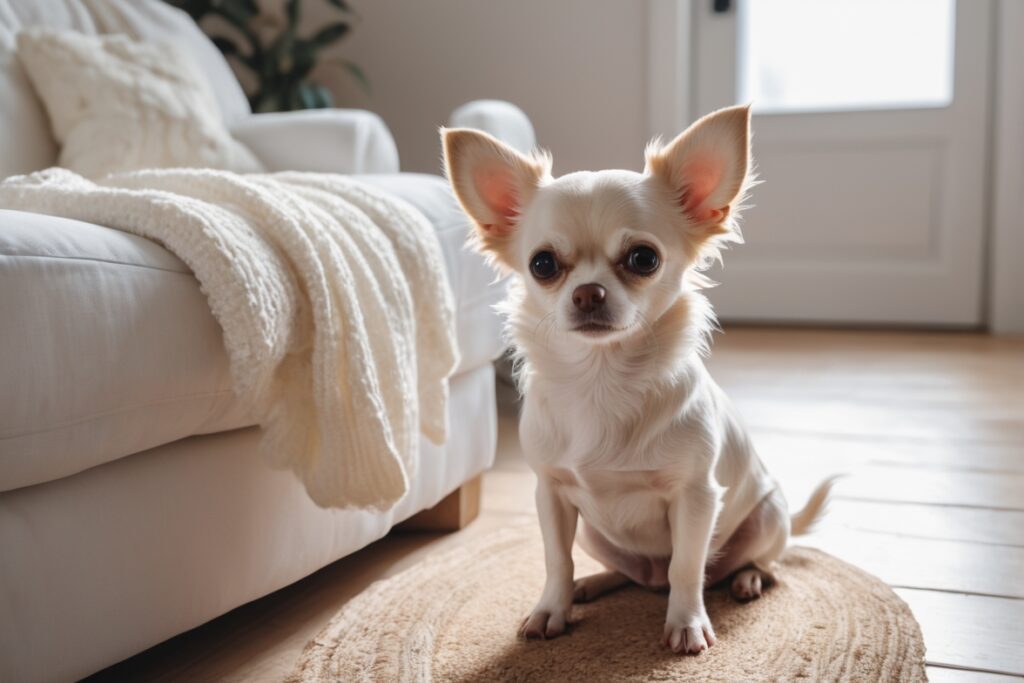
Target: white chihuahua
<point>621,422</point>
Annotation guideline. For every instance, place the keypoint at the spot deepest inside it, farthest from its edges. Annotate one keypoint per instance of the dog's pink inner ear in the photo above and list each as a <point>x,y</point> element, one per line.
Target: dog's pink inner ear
<point>700,178</point>
<point>496,186</point>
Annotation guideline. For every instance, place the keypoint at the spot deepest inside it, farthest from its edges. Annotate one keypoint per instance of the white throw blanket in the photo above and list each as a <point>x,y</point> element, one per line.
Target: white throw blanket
<point>332,296</point>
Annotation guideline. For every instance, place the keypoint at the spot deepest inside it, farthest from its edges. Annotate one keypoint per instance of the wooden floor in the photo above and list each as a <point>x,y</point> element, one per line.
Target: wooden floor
<point>928,427</point>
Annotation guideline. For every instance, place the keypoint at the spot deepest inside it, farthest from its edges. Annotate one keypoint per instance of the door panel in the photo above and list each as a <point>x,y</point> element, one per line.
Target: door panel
<point>901,216</point>
<point>865,214</point>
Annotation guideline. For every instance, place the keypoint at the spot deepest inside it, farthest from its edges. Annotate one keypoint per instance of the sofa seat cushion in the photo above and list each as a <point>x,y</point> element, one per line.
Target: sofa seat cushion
<point>109,347</point>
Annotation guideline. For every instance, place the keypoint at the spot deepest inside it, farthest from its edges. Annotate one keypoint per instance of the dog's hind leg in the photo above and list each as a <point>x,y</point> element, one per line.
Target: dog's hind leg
<point>747,584</point>
<point>753,549</point>
<point>594,586</point>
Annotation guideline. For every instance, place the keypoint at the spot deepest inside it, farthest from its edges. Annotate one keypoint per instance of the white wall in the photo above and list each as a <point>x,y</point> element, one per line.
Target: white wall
<point>577,67</point>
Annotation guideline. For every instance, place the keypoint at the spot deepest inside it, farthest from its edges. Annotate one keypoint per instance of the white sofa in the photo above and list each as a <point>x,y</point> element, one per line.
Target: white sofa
<point>133,505</point>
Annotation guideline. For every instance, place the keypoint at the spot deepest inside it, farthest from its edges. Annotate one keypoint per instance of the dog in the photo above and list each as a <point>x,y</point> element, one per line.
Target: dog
<point>621,422</point>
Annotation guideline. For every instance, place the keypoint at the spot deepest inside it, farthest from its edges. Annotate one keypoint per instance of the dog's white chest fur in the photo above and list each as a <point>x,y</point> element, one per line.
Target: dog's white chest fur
<point>623,451</point>
<point>630,509</point>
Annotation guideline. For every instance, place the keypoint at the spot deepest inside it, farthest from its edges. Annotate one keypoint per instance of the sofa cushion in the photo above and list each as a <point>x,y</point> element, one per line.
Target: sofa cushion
<point>33,147</point>
<point>119,104</point>
<point>109,347</point>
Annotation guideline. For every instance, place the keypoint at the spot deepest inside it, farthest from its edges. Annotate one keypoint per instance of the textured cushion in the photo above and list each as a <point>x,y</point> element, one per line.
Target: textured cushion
<point>27,144</point>
<point>109,346</point>
<point>320,140</point>
<point>117,104</point>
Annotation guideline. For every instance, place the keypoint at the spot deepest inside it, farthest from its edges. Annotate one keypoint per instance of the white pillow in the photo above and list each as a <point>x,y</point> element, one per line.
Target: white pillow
<point>117,104</point>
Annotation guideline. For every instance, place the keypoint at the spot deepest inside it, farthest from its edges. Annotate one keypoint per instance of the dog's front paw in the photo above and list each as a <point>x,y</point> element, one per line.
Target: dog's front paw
<point>544,622</point>
<point>690,633</point>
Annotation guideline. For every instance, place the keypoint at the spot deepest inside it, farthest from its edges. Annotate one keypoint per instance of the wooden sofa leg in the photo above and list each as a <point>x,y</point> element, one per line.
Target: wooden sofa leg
<point>454,512</point>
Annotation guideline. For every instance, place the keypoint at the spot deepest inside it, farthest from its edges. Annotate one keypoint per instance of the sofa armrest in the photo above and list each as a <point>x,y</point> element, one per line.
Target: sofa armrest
<point>503,120</point>
<point>323,140</point>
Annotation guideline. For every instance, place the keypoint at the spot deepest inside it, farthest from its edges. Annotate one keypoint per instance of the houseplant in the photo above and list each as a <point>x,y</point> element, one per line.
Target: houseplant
<point>269,48</point>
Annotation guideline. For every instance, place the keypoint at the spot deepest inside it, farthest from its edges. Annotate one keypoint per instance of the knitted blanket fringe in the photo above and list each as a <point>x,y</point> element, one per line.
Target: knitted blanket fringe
<point>337,316</point>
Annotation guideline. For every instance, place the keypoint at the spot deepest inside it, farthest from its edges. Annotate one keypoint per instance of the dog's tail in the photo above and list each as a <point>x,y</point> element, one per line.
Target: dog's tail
<point>803,522</point>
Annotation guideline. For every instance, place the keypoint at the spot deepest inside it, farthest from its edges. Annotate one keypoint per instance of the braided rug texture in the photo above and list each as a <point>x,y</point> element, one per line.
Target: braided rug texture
<point>454,616</point>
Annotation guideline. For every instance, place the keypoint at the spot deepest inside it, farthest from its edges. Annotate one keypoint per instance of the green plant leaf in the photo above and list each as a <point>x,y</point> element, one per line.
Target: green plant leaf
<point>226,46</point>
<point>292,12</point>
<point>303,59</point>
<point>330,34</point>
<point>360,76</point>
<point>240,8</point>
<point>281,68</point>
<point>314,96</point>
<point>196,9</point>
<point>353,70</point>
<point>327,98</point>
<point>234,12</point>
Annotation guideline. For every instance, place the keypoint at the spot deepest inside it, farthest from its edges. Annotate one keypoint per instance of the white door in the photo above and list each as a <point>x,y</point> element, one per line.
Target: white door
<point>870,133</point>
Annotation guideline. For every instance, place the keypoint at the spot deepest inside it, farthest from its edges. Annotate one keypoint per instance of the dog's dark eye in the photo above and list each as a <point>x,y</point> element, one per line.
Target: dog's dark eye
<point>544,265</point>
<point>642,260</point>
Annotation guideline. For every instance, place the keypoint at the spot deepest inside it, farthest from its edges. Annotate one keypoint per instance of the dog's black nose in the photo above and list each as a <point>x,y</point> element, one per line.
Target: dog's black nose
<point>589,297</point>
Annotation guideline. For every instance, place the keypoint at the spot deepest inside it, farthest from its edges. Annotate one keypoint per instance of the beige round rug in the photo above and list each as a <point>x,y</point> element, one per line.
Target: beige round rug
<point>454,617</point>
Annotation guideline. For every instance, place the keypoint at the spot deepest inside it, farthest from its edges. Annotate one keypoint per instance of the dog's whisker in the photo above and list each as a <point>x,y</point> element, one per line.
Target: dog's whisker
<point>540,322</point>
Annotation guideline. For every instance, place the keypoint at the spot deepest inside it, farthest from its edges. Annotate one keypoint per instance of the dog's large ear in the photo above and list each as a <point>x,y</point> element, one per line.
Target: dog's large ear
<point>706,168</point>
<point>492,182</point>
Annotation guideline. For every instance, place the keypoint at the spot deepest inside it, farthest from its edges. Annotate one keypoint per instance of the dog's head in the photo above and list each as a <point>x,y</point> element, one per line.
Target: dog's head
<point>604,253</point>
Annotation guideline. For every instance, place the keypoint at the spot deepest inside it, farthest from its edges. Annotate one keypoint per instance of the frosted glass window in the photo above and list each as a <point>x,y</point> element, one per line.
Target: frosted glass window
<point>828,55</point>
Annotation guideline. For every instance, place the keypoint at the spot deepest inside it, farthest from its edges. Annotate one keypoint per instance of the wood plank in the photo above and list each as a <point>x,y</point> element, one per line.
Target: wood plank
<point>999,423</point>
<point>1002,527</point>
<point>823,348</point>
<point>929,387</point>
<point>939,674</point>
<point>799,474</point>
<point>893,388</point>
<point>874,379</point>
<point>928,563</point>
<point>851,450</point>
<point>913,485</point>
<point>970,631</point>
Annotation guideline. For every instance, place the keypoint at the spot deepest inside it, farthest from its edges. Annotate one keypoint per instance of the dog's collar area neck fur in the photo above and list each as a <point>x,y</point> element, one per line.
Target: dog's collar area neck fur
<point>653,355</point>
